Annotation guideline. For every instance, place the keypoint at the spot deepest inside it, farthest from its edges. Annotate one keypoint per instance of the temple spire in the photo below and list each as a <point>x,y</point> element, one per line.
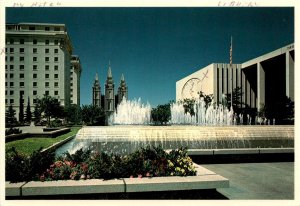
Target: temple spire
<point>109,70</point>
<point>96,77</point>
<point>122,77</point>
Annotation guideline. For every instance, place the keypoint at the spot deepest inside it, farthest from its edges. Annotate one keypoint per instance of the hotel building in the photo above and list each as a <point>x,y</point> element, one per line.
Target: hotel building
<point>39,62</point>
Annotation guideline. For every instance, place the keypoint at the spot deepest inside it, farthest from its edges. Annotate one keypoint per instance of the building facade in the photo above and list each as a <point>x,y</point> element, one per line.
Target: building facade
<point>38,62</point>
<point>75,74</point>
<point>109,100</point>
<point>262,80</point>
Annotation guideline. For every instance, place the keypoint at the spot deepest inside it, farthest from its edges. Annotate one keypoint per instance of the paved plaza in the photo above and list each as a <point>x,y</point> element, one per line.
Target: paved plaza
<point>273,181</point>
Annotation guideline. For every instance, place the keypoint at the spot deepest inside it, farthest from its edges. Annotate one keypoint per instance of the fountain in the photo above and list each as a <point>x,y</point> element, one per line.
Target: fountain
<point>131,113</point>
<point>209,129</point>
<point>210,115</point>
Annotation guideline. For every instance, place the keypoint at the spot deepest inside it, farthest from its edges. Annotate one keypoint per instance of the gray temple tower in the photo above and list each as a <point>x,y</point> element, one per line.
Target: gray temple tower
<point>122,90</point>
<point>96,92</point>
<point>109,99</point>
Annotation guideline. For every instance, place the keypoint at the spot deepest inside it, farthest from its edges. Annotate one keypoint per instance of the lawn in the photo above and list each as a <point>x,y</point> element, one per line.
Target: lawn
<point>28,145</point>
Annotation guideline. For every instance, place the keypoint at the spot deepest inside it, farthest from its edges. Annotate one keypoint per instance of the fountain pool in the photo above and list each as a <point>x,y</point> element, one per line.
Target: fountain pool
<point>126,139</point>
<point>210,128</point>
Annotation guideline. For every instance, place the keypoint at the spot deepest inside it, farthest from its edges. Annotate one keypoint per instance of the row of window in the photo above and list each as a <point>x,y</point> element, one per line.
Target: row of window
<point>47,59</point>
<point>34,41</point>
<point>34,50</point>
<point>34,84</point>
<point>34,92</point>
<point>11,76</point>
<point>11,101</point>
<point>32,28</point>
<point>34,67</point>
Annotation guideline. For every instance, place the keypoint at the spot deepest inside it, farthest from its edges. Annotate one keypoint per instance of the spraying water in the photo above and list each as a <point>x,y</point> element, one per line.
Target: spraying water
<point>204,114</point>
<point>131,113</point>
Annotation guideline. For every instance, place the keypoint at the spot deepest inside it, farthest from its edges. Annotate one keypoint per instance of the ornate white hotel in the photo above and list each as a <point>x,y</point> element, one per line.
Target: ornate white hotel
<point>39,62</point>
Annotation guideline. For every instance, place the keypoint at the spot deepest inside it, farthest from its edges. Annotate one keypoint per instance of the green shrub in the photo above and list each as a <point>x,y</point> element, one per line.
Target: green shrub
<point>55,123</point>
<point>12,131</point>
<point>145,162</point>
<point>20,167</point>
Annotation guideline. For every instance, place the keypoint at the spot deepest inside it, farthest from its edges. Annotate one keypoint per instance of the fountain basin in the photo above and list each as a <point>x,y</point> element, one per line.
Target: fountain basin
<point>126,139</point>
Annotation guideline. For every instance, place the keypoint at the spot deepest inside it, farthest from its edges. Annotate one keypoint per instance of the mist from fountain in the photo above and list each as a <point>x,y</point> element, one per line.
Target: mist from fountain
<point>204,114</point>
<point>131,112</point>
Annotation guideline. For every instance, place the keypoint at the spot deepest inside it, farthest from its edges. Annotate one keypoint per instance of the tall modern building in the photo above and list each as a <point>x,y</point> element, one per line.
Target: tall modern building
<point>39,62</point>
<point>109,100</point>
<point>263,80</point>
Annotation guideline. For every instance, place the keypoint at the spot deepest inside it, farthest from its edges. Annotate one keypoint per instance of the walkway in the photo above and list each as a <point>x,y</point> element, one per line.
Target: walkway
<point>273,181</point>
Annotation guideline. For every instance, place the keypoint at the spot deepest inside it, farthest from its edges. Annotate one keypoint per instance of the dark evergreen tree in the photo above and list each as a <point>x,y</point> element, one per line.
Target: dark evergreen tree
<point>28,117</point>
<point>21,112</point>
<point>10,119</point>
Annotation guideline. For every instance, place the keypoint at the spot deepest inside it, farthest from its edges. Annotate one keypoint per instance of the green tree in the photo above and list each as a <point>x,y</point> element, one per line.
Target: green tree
<point>188,105</point>
<point>21,112</point>
<point>28,117</point>
<point>237,99</point>
<point>161,114</point>
<point>207,98</point>
<point>49,107</point>
<point>10,117</point>
<point>73,114</point>
<point>281,110</point>
<point>92,115</point>
<point>37,113</point>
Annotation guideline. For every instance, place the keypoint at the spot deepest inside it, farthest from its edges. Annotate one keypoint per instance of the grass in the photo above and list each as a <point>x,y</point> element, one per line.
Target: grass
<point>29,145</point>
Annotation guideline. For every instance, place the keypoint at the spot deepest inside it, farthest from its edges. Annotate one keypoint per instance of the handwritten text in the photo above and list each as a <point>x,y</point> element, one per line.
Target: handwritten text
<point>37,4</point>
<point>237,3</point>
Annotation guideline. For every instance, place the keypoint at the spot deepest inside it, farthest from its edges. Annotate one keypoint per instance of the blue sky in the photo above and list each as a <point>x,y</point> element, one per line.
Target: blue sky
<point>155,47</point>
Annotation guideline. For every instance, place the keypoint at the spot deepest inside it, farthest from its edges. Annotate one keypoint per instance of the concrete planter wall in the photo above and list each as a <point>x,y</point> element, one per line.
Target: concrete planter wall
<point>50,134</point>
<point>205,179</point>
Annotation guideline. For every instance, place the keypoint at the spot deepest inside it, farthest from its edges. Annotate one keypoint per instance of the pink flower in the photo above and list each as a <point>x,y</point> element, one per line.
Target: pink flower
<point>140,176</point>
<point>148,174</point>
<point>131,176</point>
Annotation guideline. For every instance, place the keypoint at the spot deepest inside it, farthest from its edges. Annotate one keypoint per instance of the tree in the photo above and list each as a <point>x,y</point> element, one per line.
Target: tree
<point>48,107</point>
<point>37,113</point>
<point>93,115</point>
<point>73,114</point>
<point>188,105</point>
<point>282,110</point>
<point>237,99</point>
<point>10,119</point>
<point>21,112</point>
<point>161,114</point>
<point>28,117</point>
<point>51,108</point>
<point>207,98</point>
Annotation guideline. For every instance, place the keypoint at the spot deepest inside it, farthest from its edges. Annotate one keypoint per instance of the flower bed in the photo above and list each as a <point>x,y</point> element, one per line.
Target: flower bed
<point>145,162</point>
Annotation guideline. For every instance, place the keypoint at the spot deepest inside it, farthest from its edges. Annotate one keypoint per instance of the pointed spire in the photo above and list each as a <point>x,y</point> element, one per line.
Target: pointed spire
<point>122,78</point>
<point>96,77</point>
<point>109,70</point>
